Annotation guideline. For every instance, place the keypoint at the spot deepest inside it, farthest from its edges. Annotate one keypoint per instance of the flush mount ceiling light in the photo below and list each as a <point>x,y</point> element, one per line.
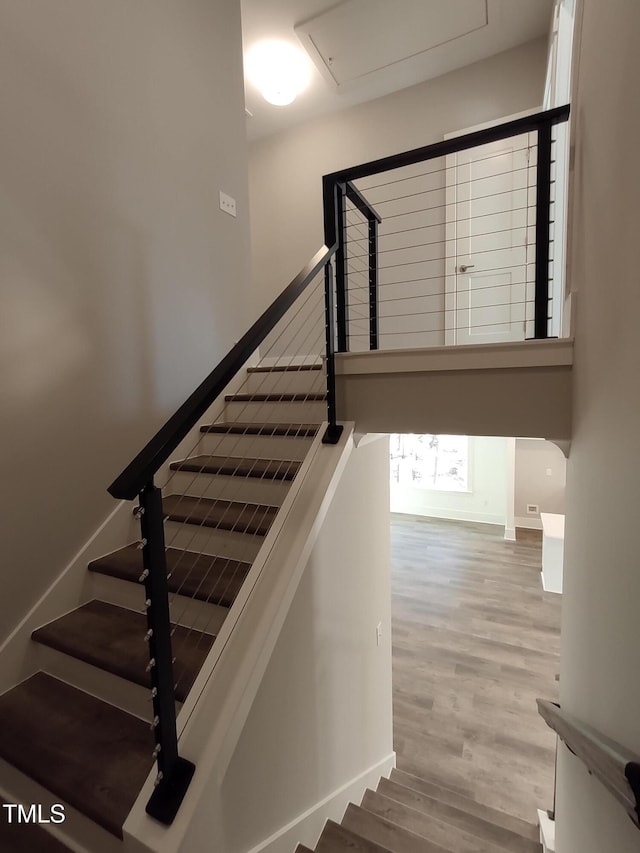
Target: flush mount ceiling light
<point>279,70</point>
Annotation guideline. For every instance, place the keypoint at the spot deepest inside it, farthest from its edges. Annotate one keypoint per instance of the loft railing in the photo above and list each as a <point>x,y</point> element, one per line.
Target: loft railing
<point>297,332</point>
<point>450,243</point>
<point>616,767</point>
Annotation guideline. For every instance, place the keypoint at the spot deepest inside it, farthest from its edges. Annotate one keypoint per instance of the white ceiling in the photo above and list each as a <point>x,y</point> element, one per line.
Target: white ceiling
<point>363,49</point>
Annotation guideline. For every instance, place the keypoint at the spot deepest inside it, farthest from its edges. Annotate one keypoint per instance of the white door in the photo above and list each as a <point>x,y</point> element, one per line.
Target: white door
<point>490,266</point>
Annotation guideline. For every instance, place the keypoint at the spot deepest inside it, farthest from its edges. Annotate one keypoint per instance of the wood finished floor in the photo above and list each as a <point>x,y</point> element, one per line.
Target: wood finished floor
<point>475,642</point>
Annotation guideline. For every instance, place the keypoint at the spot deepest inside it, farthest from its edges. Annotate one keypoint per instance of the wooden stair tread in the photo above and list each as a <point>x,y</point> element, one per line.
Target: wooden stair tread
<point>112,638</point>
<point>214,579</point>
<point>26,837</point>
<point>422,787</point>
<point>404,804</point>
<point>223,515</point>
<point>432,827</point>
<point>336,838</point>
<point>452,786</point>
<point>289,368</point>
<point>238,466</point>
<point>90,754</point>
<point>281,430</point>
<point>390,835</point>
<point>299,397</point>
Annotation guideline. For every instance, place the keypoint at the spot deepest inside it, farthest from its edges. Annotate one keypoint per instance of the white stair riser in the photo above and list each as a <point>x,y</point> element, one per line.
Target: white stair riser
<point>111,688</point>
<point>256,446</point>
<point>306,412</point>
<point>207,540</point>
<point>286,382</point>
<point>244,489</point>
<point>192,613</point>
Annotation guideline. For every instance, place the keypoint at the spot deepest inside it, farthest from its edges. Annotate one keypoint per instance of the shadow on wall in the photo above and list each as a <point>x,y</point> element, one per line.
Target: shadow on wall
<point>540,479</point>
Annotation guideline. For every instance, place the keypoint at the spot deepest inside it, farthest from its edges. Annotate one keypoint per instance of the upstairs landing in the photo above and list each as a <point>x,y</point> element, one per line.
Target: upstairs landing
<point>505,389</point>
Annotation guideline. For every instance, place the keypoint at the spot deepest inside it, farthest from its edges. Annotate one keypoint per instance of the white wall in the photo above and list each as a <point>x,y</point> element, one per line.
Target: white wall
<point>600,627</point>
<point>122,282</point>
<point>540,478</point>
<point>285,170</point>
<point>485,501</point>
<point>322,715</point>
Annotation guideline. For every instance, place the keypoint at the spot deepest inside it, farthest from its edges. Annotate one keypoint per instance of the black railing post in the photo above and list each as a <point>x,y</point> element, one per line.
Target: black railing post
<point>543,210</point>
<point>342,285</point>
<point>174,773</point>
<point>373,283</point>
<point>334,430</point>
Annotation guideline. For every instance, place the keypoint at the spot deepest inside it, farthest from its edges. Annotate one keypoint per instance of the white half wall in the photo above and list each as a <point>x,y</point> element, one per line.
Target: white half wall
<point>600,627</point>
<point>320,727</point>
<point>286,169</point>
<point>486,499</point>
<point>122,281</point>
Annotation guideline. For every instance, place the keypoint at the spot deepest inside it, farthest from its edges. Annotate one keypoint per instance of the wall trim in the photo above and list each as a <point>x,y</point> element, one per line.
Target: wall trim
<point>510,534</point>
<point>546,588</point>
<point>306,828</point>
<point>550,352</point>
<point>70,589</point>
<point>455,515</point>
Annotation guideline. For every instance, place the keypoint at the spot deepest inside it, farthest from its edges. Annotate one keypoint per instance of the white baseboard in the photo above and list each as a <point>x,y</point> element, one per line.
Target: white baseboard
<point>449,514</point>
<point>306,828</point>
<point>547,832</point>
<point>510,534</point>
<point>531,522</point>
<point>546,588</point>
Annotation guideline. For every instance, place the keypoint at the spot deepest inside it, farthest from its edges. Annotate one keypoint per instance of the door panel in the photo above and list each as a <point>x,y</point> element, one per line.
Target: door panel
<point>490,229</point>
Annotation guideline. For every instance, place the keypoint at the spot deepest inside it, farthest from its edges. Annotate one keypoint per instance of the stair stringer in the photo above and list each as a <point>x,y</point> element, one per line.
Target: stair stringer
<point>212,719</point>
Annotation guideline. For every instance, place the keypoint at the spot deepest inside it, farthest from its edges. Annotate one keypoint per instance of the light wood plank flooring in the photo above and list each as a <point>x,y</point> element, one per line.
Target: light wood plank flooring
<point>475,642</point>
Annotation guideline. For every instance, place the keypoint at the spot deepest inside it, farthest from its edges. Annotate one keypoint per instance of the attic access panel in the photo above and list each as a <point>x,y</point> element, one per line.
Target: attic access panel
<point>358,37</point>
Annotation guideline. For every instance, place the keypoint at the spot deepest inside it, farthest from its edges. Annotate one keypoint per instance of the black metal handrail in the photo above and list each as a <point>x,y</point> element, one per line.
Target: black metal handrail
<point>144,466</point>
<point>338,186</point>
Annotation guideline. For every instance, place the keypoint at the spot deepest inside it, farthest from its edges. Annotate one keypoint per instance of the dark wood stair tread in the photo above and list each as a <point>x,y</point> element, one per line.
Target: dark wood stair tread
<point>214,579</point>
<point>281,430</point>
<point>26,837</point>
<point>91,755</point>
<point>275,398</point>
<point>223,515</point>
<point>237,466</point>
<point>288,368</point>
<point>112,638</point>
<point>336,838</point>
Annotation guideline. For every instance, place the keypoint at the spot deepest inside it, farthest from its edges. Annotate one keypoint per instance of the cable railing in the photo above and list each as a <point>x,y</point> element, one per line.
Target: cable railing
<point>205,514</point>
<point>452,243</point>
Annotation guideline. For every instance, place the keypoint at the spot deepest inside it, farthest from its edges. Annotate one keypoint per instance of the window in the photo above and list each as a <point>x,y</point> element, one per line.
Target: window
<point>430,461</point>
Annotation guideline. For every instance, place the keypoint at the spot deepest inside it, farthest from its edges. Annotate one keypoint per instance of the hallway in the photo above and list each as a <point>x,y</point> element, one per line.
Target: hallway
<point>475,642</point>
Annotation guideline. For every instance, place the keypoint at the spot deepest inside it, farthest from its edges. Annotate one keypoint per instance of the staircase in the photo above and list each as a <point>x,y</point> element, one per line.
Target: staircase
<point>80,727</point>
<point>410,815</point>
